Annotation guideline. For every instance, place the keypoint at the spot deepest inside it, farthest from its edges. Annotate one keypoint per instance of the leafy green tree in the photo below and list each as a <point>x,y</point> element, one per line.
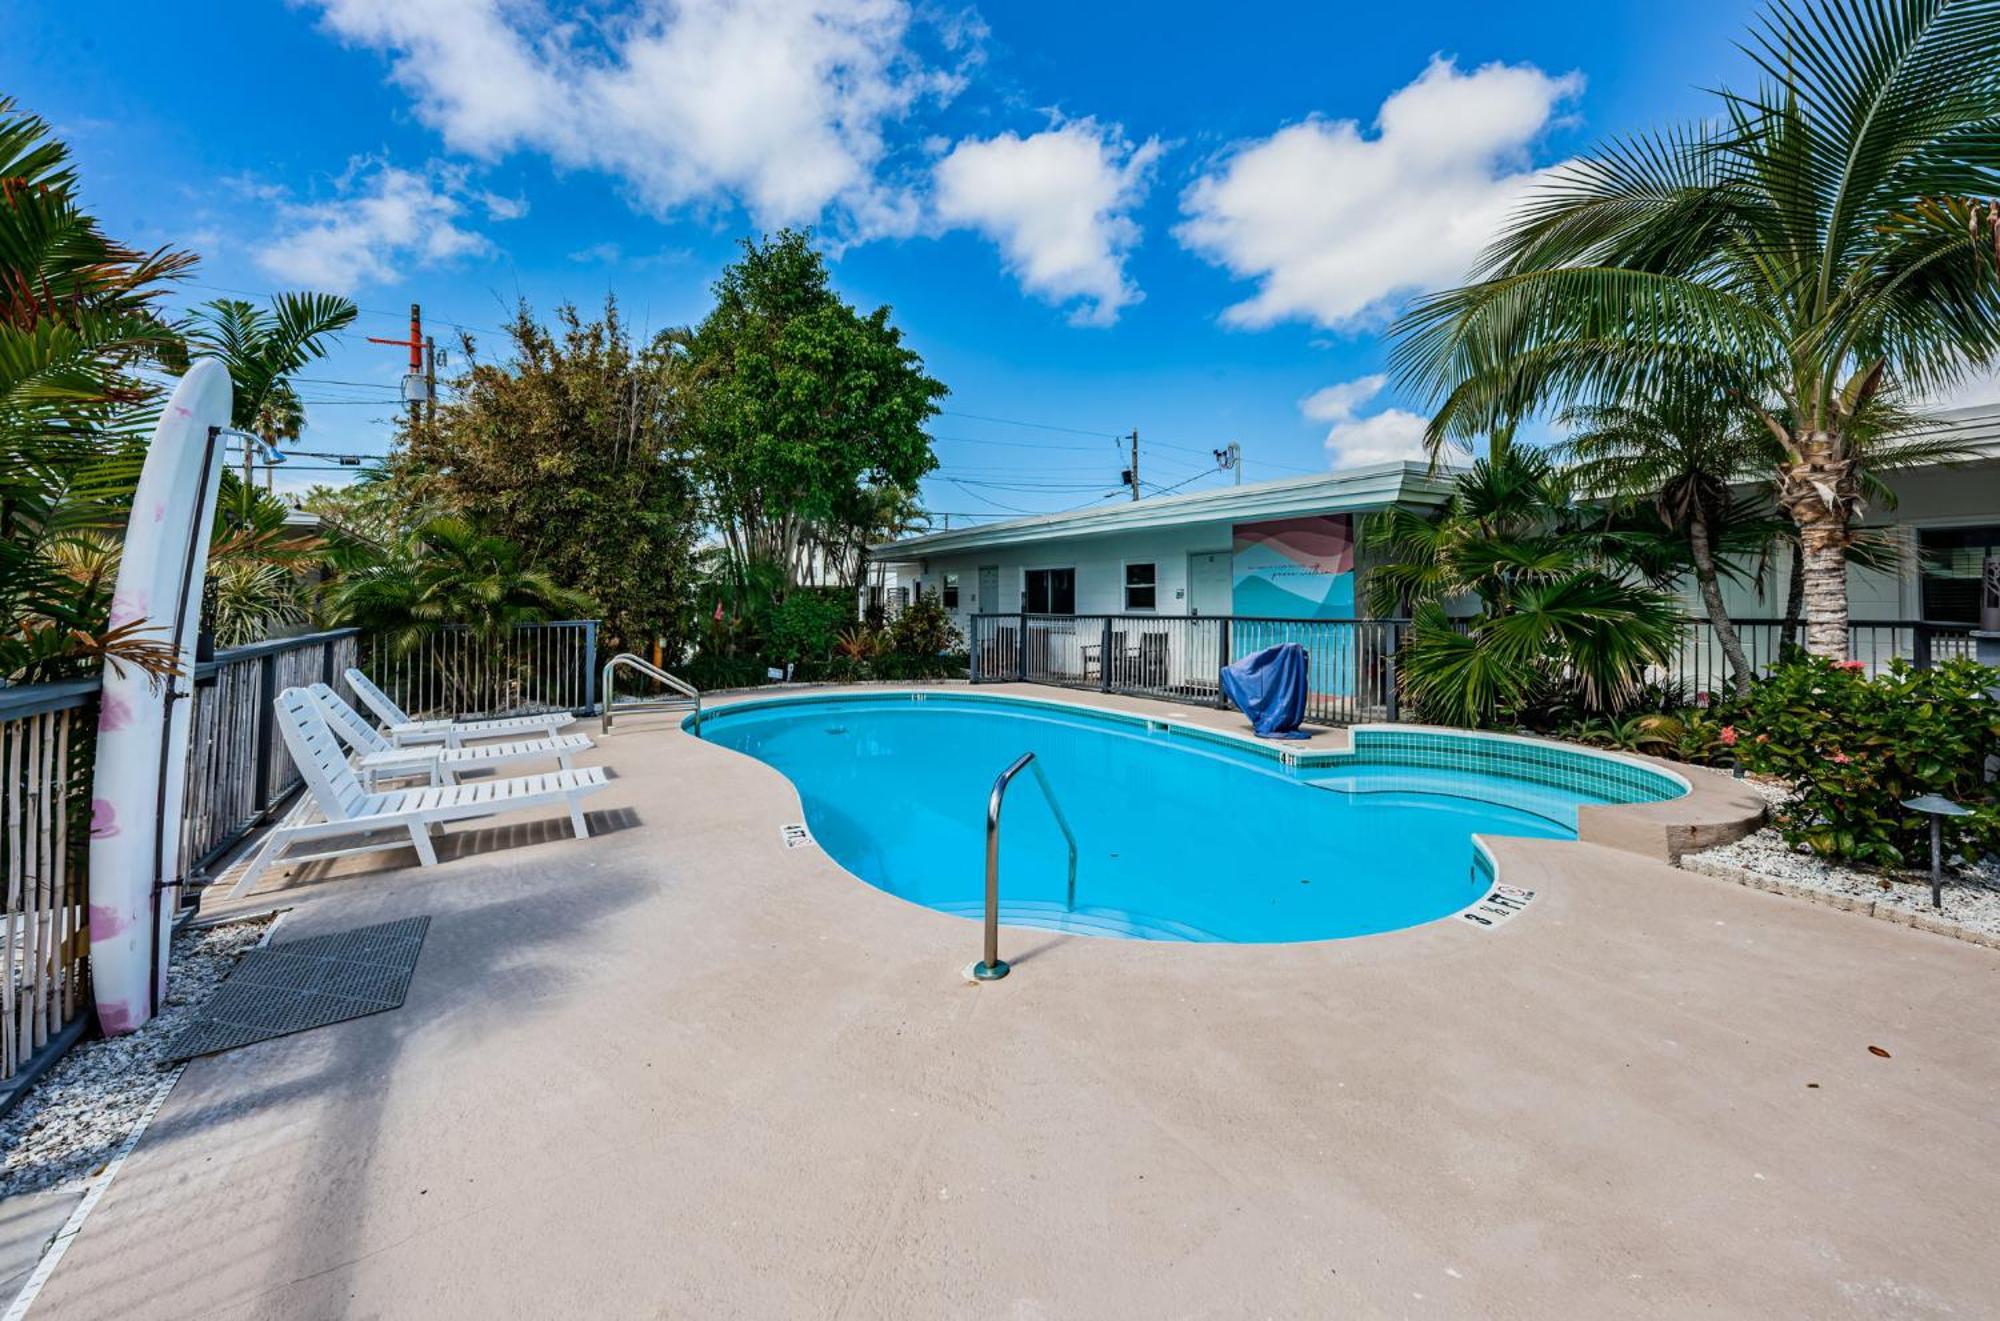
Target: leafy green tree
<point>1830,235</point>
<point>571,450</point>
<point>798,406</point>
<point>79,318</point>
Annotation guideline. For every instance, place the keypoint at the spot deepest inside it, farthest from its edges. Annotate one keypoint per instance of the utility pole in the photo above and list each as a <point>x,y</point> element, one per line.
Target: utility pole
<point>430,380</point>
<point>416,386</point>
<point>1132,474</point>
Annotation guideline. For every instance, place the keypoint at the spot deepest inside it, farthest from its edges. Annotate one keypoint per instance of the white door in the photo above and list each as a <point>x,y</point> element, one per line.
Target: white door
<point>989,589</point>
<point>1210,577</point>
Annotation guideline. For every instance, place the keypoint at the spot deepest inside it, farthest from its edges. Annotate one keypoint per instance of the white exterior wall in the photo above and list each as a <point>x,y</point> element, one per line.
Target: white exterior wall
<point>1099,562</point>
<point>1964,495</point>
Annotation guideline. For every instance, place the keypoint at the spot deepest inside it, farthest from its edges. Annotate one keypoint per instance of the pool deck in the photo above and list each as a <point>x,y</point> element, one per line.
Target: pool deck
<point>680,1070</point>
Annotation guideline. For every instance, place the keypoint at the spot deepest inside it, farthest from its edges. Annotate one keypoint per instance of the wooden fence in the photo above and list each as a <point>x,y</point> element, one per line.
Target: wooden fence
<point>237,776</point>
<point>45,732</point>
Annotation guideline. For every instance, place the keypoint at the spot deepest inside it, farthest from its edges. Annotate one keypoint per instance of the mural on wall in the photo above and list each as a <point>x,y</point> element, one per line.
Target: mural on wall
<point>1295,568</point>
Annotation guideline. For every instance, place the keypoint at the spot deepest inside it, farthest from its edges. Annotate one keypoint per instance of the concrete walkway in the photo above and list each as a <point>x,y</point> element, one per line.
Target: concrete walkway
<point>679,1070</point>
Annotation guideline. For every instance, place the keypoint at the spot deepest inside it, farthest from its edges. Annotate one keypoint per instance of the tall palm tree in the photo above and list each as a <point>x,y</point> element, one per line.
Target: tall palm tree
<point>1831,235</point>
<point>264,348</point>
<point>1684,451</point>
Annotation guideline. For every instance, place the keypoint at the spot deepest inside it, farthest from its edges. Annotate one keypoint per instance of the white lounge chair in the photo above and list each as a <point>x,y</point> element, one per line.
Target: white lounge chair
<point>401,729</point>
<point>377,758</point>
<point>346,809</point>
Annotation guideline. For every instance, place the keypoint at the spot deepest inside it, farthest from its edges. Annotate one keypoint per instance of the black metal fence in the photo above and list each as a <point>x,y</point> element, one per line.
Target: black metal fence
<point>456,672</point>
<point>1701,666</point>
<point>1352,662</point>
<point>1352,670</point>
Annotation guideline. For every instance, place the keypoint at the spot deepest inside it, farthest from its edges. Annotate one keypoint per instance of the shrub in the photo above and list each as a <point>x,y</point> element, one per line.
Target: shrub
<point>806,624</point>
<point>1853,748</point>
<point>709,672</point>
<point>924,629</point>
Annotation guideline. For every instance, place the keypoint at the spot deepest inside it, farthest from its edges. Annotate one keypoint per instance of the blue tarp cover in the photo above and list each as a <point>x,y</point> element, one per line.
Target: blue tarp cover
<point>1270,688</point>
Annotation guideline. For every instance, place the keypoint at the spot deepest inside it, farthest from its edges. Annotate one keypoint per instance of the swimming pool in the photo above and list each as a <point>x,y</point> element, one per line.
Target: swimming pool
<point>1182,833</point>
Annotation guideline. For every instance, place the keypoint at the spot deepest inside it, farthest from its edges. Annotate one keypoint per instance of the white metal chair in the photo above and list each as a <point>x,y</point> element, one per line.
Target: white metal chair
<point>377,758</point>
<point>347,809</point>
<point>401,729</point>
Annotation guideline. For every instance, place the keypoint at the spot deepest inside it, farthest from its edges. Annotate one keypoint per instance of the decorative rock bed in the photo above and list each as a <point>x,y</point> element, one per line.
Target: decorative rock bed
<point>76,1116</point>
<point>1765,862</point>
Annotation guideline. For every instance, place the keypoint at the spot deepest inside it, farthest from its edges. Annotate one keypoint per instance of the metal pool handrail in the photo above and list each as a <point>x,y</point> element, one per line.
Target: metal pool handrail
<point>646,667</point>
<point>992,968</point>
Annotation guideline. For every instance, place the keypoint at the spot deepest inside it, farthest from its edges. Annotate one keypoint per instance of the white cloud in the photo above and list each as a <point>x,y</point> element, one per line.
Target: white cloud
<point>380,220</point>
<point>780,105</point>
<point>1333,225</point>
<point>1351,442</point>
<point>1058,204</point>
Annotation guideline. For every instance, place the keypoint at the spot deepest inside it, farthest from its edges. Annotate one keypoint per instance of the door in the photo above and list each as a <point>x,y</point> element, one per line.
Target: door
<point>1051,591</point>
<point>1210,578</point>
<point>989,590</point>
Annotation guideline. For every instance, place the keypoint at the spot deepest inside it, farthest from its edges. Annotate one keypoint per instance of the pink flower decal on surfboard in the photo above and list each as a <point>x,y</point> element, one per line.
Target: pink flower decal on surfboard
<point>103,819</point>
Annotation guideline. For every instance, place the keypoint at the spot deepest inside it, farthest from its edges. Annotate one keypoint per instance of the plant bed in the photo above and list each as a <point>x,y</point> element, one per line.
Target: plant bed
<point>1971,893</point>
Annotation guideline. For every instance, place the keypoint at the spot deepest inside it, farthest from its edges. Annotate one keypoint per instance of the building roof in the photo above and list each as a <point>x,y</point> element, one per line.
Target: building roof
<point>1978,429</point>
<point>1375,486</point>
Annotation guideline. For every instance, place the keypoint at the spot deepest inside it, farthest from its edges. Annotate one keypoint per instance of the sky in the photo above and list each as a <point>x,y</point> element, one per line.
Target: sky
<point>1189,219</point>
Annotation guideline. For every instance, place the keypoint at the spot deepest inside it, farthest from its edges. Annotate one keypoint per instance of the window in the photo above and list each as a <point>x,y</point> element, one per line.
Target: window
<point>1140,593</point>
<point>1951,561</point>
<point>1051,592</point>
<point>950,592</point>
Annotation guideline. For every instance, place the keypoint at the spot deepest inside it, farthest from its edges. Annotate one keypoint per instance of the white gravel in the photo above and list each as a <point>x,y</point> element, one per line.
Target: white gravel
<point>79,1112</point>
<point>1971,891</point>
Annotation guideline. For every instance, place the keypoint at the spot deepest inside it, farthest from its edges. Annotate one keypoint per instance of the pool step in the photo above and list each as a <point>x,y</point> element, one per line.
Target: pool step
<point>1047,916</point>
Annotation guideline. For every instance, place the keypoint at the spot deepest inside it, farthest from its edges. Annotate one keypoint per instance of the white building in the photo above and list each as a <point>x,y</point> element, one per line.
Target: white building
<point>1291,550</point>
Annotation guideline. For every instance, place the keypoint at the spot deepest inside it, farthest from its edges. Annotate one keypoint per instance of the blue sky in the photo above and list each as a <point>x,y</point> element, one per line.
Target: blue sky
<point>1192,219</point>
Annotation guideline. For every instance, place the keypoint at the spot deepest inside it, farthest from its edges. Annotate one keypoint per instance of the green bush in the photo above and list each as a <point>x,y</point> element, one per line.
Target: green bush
<point>708,672</point>
<point>806,624</point>
<point>924,629</point>
<point>1853,748</point>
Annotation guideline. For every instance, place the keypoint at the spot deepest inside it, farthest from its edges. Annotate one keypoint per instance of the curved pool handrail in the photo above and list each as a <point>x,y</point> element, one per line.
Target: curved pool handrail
<point>992,968</point>
<point>629,661</point>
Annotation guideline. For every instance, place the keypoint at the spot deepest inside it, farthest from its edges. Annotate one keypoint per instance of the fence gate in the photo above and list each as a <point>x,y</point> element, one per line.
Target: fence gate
<point>461,673</point>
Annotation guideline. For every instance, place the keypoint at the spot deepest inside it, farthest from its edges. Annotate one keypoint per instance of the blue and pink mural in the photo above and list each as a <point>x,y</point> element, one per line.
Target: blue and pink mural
<point>1295,568</point>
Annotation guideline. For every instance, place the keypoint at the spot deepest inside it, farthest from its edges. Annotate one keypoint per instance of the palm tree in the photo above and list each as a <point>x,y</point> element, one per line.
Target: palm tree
<point>78,316</point>
<point>1827,238</point>
<point>263,349</point>
<point>1684,451</point>
<point>1565,611</point>
<point>448,574</point>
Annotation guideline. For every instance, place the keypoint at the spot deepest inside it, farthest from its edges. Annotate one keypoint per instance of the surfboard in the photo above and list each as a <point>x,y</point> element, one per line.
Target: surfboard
<point>142,723</point>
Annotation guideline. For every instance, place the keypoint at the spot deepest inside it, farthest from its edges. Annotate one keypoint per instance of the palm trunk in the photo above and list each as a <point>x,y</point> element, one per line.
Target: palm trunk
<point>1711,599</point>
<point>1819,491</point>
<point>1823,549</point>
<point>1795,597</point>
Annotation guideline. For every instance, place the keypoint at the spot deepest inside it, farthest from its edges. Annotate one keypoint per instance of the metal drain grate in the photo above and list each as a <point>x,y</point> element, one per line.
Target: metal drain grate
<point>305,984</point>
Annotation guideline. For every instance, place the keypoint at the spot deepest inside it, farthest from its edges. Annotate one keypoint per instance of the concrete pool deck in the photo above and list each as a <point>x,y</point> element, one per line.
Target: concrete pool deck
<point>681,1070</point>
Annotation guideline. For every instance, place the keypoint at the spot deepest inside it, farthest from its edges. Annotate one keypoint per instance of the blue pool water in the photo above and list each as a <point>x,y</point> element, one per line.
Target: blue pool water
<point>1179,837</point>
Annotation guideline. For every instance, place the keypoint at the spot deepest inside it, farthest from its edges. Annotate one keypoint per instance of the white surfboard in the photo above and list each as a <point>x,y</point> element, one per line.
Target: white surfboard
<point>142,724</point>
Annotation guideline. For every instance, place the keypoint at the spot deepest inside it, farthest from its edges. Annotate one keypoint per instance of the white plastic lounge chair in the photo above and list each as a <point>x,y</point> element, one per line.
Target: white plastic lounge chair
<point>377,758</point>
<point>401,729</point>
<point>345,809</point>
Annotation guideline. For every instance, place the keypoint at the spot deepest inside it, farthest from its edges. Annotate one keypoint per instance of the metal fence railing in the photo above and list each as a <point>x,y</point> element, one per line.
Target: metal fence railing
<point>1701,666</point>
<point>457,672</point>
<point>1351,662</point>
